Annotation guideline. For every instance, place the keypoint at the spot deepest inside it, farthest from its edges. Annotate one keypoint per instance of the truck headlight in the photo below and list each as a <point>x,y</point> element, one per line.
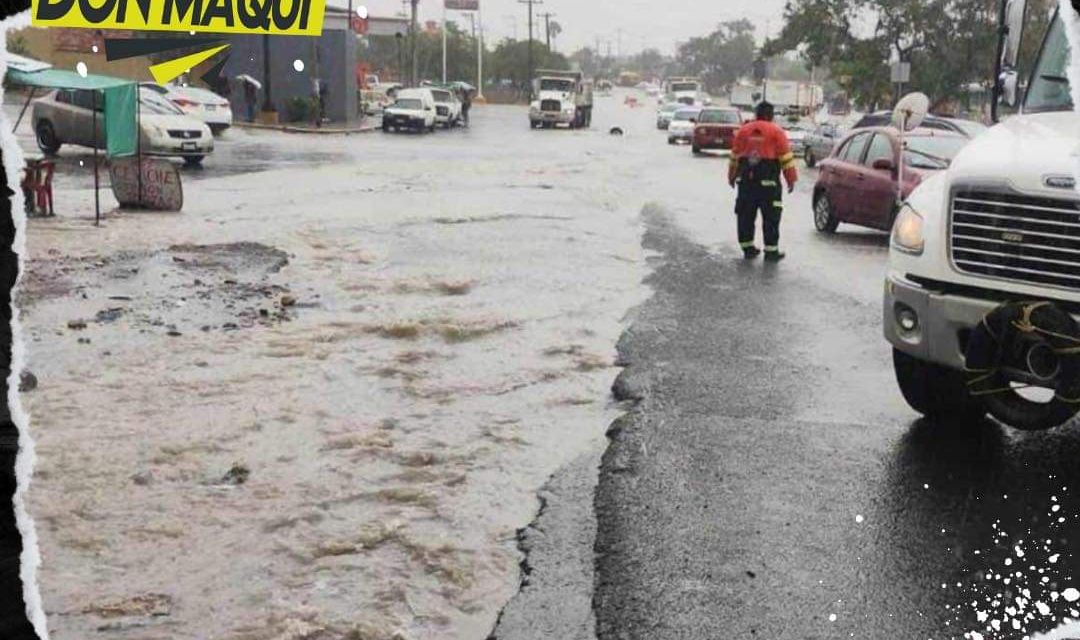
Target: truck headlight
<point>907,234</point>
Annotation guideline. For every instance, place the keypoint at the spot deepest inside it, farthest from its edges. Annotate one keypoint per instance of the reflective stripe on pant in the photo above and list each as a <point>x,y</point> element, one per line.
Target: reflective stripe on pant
<point>767,199</point>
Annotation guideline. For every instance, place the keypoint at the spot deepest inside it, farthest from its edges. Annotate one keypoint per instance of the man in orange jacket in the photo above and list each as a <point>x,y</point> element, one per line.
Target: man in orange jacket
<point>760,153</point>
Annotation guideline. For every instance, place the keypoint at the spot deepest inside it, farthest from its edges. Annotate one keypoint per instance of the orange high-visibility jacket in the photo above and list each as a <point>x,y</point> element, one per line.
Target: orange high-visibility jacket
<point>765,141</point>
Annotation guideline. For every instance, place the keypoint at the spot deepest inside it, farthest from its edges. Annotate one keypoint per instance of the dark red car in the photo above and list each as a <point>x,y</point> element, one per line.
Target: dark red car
<point>858,183</point>
<point>715,128</point>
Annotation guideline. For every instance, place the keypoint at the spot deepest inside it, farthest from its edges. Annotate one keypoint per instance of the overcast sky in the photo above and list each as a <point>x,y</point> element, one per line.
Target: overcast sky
<point>644,23</point>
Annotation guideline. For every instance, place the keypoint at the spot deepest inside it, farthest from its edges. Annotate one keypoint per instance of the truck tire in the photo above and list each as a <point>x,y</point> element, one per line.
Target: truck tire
<point>935,391</point>
<point>825,219</point>
<point>696,150</point>
<point>46,138</point>
<point>1017,332</point>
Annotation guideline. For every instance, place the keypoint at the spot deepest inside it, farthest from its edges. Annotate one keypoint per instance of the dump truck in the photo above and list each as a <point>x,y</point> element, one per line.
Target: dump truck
<point>562,97</point>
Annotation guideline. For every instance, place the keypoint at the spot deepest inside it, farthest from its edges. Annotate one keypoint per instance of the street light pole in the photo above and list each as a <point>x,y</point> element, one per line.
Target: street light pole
<point>444,43</point>
<point>479,56</point>
<point>414,76</point>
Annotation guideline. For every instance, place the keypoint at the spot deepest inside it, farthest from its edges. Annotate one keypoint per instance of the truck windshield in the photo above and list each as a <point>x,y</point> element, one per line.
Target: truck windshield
<point>555,84</point>
<point>1049,90</point>
<point>408,103</point>
<point>679,87</point>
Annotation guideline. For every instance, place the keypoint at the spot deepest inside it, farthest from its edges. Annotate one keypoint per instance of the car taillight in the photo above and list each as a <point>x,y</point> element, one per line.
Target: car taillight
<point>184,102</point>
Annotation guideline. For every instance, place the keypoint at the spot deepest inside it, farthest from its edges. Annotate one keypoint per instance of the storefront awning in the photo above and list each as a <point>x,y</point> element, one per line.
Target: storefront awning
<point>63,79</point>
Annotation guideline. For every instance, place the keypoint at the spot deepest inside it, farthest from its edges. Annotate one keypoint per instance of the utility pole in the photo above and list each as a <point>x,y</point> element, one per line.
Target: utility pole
<point>530,3</point>
<point>414,76</point>
<point>547,16</point>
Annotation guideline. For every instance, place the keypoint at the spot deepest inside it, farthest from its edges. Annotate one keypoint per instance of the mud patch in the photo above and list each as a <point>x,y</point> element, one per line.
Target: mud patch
<point>181,289</point>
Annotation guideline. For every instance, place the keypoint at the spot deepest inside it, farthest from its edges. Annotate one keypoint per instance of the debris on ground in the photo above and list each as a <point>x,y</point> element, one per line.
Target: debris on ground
<point>27,381</point>
<point>145,604</point>
<point>236,475</point>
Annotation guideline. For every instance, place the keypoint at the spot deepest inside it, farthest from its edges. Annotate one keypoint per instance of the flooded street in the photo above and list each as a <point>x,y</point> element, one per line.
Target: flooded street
<point>324,415</point>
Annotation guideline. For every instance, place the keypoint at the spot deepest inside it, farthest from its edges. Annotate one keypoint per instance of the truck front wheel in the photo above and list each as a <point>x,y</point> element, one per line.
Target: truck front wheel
<point>935,391</point>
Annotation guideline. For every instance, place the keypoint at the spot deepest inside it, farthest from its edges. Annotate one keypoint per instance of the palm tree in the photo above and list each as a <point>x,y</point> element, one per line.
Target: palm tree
<point>553,32</point>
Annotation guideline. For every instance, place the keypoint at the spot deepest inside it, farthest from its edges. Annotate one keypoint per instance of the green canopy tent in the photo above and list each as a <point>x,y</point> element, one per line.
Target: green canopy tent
<point>120,108</point>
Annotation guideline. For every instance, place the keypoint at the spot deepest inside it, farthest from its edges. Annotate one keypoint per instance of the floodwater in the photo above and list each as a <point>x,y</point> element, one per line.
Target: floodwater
<point>319,402</point>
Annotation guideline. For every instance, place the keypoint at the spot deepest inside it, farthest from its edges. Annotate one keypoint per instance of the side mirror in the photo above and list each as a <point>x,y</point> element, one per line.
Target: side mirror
<point>883,164</point>
<point>1013,31</point>
<point>1009,83</point>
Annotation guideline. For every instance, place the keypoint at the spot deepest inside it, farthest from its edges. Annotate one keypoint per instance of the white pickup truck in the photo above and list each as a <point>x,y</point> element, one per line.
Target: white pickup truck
<point>983,286</point>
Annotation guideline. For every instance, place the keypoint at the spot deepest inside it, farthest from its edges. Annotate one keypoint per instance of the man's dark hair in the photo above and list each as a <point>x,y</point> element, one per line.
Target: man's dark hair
<point>764,111</point>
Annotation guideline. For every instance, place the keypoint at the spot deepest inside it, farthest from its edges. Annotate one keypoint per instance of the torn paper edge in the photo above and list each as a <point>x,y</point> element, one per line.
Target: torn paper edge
<point>1071,22</point>
<point>24,460</point>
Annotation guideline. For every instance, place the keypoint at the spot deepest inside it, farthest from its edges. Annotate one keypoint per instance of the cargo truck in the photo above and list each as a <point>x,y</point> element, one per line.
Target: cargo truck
<point>563,97</point>
<point>982,292</point>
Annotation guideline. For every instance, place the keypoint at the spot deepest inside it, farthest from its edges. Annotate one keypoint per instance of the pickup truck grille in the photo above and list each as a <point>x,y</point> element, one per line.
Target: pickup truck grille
<point>1016,237</point>
<point>551,105</point>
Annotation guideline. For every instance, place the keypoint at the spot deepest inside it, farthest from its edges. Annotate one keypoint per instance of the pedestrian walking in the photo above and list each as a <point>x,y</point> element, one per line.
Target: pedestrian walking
<point>250,99</point>
<point>466,104</point>
<point>760,153</point>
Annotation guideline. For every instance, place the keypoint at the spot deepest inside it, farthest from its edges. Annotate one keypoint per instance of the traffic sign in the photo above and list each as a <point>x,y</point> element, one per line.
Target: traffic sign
<point>900,72</point>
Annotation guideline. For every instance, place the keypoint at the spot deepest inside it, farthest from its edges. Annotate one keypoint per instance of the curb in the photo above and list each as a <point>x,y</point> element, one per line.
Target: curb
<point>312,130</point>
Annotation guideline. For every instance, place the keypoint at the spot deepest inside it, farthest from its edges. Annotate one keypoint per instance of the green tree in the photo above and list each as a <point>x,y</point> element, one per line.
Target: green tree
<point>949,43</point>
<point>510,61</point>
<point>721,57</point>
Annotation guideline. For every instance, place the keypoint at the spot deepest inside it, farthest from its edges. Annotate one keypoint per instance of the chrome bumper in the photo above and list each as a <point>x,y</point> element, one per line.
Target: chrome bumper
<point>941,319</point>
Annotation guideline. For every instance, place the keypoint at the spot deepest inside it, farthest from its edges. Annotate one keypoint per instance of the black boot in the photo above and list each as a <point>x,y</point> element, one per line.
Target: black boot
<point>750,253</point>
<point>774,256</point>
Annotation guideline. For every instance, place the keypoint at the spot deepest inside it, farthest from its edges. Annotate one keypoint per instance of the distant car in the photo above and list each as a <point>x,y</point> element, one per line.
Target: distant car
<point>447,107</point>
<point>201,104</point>
<point>796,134</point>
<point>819,143</point>
<point>682,124</point>
<point>665,113</point>
<point>858,183</point>
<point>716,128</point>
<point>66,116</point>
<point>966,128</point>
<point>412,109</point>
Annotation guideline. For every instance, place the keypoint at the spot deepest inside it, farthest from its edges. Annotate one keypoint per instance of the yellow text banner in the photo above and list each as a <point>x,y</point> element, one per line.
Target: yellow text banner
<point>274,17</point>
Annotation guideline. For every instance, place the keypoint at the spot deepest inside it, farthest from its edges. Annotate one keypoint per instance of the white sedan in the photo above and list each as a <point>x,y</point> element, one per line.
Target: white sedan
<point>201,104</point>
<point>66,116</point>
<point>682,125</point>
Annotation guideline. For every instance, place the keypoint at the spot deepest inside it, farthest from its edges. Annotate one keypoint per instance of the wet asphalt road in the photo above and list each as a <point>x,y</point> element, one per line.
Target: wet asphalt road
<point>767,474</point>
<point>769,477</point>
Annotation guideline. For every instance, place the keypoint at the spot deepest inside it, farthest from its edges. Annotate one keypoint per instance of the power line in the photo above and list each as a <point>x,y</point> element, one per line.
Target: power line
<point>547,16</point>
<point>530,3</point>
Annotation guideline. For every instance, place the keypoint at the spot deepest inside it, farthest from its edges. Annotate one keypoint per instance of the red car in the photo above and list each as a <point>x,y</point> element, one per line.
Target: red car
<point>715,128</point>
<point>858,183</point>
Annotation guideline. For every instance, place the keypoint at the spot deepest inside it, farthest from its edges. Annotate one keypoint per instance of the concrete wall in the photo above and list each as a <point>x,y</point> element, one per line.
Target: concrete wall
<point>332,56</point>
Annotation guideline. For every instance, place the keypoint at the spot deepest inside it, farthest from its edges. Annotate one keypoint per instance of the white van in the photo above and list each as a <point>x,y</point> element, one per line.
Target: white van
<point>447,107</point>
<point>412,109</point>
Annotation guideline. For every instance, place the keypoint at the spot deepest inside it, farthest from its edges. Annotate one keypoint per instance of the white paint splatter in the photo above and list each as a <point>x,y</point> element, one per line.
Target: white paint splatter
<point>298,64</point>
<point>81,69</point>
